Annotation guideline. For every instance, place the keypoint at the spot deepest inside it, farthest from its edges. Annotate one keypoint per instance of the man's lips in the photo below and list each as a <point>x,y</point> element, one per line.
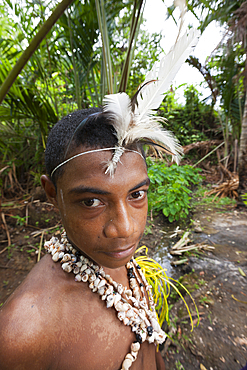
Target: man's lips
<point>122,253</point>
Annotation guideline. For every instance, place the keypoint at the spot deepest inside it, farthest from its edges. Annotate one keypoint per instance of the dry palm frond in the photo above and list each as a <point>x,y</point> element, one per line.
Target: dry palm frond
<point>226,189</point>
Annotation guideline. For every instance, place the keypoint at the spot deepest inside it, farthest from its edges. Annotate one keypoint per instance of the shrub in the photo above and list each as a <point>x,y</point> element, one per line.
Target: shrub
<point>169,188</point>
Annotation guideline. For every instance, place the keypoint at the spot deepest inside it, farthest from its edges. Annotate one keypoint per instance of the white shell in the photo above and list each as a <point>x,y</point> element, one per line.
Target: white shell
<point>142,314</point>
<point>101,290</point>
<point>109,290</point>
<point>117,298</point>
<point>76,270</point>
<point>61,248</point>
<point>73,258</point>
<point>121,315</point>
<point>66,258</point>
<point>83,267</point>
<point>126,364</point>
<point>61,254</point>
<point>129,356</point>
<point>109,278</point>
<point>67,267</point>
<point>134,355</point>
<point>54,251</point>
<point>91,285</point>
<point>128,293</point>
<point>110,297</point>
<point>143,325</point>
<point>136,291</point>
<point>120,289</point>
<point>78,277</point>
<point>135,347</point>
<point>102,283</point>
<point>84,278</point>
<point>155,324</point>
<point>109,303</point>
<point>133,283</point>
<point>96,282</point>
<point>144,336</point>
<point>119,306</point>
<point>79,264</point>
<point>130,313</point>
<point>92,278</point>
<point>150,339</point>
<point>55,257</point>
<point>126,321</point>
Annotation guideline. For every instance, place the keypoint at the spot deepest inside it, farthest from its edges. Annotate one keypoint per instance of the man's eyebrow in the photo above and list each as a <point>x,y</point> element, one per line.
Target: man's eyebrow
<point>85,189</point>
<point>144,182</point>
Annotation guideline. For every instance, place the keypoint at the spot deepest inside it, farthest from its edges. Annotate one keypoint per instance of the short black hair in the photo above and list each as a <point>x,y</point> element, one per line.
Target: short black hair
<point>65,137</point>
<point>88,127</point>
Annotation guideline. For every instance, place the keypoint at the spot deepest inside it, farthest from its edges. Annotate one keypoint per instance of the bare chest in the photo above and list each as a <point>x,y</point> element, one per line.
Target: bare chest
<point>91,337</point>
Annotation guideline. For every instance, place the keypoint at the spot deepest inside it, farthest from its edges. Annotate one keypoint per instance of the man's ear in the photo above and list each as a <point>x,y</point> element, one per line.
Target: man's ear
<point>49,189</point>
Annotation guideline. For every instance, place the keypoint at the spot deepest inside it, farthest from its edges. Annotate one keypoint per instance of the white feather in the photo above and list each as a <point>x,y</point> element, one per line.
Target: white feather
<point>119,108</point>
<point>155,132</point>
<point>142,123</point>
<point>151,96</point>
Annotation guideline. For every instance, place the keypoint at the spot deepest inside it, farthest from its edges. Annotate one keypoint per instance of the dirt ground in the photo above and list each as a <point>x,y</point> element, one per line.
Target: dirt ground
<point>217,279</point>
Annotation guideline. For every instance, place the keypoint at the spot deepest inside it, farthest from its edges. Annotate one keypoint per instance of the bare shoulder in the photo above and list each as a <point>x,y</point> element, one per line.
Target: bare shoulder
<point>52,322</point>
<point>28,317</point>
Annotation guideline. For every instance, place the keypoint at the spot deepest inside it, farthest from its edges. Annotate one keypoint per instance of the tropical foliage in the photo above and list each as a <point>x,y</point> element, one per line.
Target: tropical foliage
<point>194,121</point>
<point>226,71</point>
<point>66,72</point>
<point>169,190</point>
<point>87,51</point>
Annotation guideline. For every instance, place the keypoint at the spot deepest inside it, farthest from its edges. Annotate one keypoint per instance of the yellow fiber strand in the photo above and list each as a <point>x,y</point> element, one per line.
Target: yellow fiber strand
<point>156,277</point>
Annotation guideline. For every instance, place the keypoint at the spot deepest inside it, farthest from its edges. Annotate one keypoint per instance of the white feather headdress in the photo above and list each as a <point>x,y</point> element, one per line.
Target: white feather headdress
<point>135,119</point>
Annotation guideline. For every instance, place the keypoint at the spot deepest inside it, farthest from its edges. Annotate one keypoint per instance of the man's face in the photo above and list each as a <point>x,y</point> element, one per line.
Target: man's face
<point>104,216</point>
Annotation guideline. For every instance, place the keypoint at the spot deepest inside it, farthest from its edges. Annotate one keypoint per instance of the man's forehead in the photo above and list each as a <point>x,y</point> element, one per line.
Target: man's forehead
<point>90,168</point>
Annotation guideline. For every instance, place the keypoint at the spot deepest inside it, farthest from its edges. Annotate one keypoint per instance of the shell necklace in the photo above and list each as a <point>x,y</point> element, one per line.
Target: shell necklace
<point>132,307</point>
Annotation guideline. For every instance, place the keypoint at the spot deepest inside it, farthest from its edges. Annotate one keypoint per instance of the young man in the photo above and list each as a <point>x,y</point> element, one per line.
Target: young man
<point>54,322</point>
<point>89,306</point>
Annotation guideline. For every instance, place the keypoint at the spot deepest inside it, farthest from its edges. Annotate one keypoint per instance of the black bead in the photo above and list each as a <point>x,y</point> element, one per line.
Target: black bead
<point>97,273</point>
<point>138,266</point>
<point>141,284</point>
<point>131,260</point>
<point>138,338</point>
<point>150,330</point>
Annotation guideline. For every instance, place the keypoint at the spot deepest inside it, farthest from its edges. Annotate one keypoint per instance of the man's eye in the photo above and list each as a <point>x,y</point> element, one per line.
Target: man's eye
<point>140,194</point>
<point>91,202</point>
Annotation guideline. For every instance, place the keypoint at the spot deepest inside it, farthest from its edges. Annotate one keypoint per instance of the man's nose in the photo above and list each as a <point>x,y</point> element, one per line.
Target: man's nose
<point>120,223</point>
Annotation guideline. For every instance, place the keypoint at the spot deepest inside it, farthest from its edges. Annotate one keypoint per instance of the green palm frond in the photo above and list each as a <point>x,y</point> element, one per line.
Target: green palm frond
<point>156,276</point>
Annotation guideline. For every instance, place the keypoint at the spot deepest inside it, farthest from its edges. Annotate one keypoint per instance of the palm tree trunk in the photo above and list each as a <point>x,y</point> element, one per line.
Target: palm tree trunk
<point>242,165</point>
<point>26,55</point>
